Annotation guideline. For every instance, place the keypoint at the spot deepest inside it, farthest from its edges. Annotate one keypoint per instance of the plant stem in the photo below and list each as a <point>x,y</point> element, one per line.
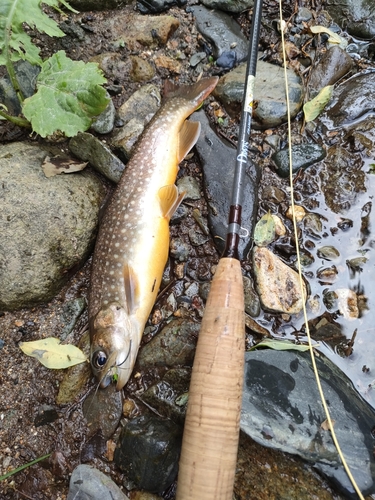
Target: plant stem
<point>21,122</point>
<point>14,471</point>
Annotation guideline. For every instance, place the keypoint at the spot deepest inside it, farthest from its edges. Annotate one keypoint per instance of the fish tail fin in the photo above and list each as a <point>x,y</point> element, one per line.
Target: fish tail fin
<point>197,92</point>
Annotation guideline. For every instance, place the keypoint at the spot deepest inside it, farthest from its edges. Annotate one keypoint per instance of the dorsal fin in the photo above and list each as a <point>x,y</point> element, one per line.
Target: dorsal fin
<point>130,285</point>
<point>169,199</point>
<point>187,137</point>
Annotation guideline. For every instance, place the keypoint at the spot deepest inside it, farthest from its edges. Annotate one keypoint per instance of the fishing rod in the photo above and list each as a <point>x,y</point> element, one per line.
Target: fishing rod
<point>211,433</point>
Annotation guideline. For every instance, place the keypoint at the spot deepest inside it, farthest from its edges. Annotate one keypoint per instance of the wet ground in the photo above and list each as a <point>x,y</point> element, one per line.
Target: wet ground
<point>32,425</point>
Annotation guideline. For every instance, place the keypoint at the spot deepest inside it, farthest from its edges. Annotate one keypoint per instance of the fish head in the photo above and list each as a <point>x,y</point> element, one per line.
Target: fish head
<point>114,345</point>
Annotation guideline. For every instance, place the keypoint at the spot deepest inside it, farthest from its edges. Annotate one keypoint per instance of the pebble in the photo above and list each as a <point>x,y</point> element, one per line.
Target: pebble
<point>328,252</point>
<point>351,101</point>
<point>252,302</point>
<point>298,212</point>
<point>333,65</point>
<point>158,440</point>
<point>269,94</point>
<point>227,60</point>
<point>179,250</point>
<point>303,155</point>
<point>86,483</point>
<point>222,31</point>
<point>191,187</point>
<point>88,148</point>
<point>169,395</point>
<point>235,6</point>
<point>356,16</point>
<point>142,70</point>
<point>173,346</point>
<point>347,303</point>
<point>277,284</point>
<point>218,162</point>
<point>197,58</point>
<point>135,113</point>
<point>102,411</point>
<point>281,409</point>
<point>64,216</point>
<point>155,6</point>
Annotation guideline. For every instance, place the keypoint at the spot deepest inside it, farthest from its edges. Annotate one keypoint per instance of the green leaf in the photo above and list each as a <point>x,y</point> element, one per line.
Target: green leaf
<point>69,96</point>
<point>264,232</point>
<point>313,108</point>
<point>23,467</point>
<point>282,345</point>
<point>52,354</point>
<point>13,15</point>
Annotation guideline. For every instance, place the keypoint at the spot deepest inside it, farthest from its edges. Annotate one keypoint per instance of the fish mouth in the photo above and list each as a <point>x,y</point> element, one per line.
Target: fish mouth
<point>119,371</point>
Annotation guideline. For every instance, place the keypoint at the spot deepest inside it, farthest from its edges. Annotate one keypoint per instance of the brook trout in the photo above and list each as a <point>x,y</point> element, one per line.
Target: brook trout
<point>133,242</point>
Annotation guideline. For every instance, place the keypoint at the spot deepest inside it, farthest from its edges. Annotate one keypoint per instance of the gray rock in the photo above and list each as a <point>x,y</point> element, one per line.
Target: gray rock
<point>105,122</point>
<point>136,112</point>
<point>328,252</point>
<point>252,302</point>
<point>27,75</point>
<point>102,411</point>
<point>351,101</point>
<point>72,309</point>
<point>148,452</point>
<point>342,179</point>
<point>269,94</point>
<point>47,225</point>
<point>88,148</point>
<point>333,65</point>
<point>277,284</point>
<point>169,395</point>
<point>357,17</point>
<point>173,346</point>
<point>222,31</point>
<point>218,162</point>
<point>179,250</point>
<point>235,6</point>
<point>281,409</point>
<point>155,6</point>
<point>88,483</point>
<point>191,187</point>
<point>303,155</point>
<point>84,5</point>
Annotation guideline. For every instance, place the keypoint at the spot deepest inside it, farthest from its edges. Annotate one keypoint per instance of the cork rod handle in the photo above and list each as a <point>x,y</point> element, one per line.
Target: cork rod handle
<point>210,441</point>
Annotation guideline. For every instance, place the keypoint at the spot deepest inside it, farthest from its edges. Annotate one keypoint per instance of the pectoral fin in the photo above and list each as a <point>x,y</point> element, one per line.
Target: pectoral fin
<point>187,137</point>
<point>130,284</point>
<point>169,199</point>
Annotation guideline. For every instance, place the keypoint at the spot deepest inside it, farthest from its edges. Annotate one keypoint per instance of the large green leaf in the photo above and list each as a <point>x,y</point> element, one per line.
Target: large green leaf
<point>13,15</point>
<point>69,95</point>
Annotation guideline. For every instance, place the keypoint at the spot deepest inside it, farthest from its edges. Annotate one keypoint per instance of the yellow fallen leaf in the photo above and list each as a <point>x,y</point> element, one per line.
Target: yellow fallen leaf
<point>264,232</point>
<point>52,354</point>
<point>325,425</point>
<point>333,37</point>
<point>313,108</point>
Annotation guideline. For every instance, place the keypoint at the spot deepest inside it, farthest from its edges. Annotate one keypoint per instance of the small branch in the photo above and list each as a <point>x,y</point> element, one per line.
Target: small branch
<point>21,122</point>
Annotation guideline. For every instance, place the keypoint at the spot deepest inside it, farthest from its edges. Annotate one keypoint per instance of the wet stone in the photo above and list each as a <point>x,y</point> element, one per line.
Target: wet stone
<point>179,249</point>
<point>173,346</point>
<point>227,60</point>
<point>26,74</point>
<point>197,238</point>
<point>328,253</point>
<point>269,94</point>
<point>313,225</point>
<point>277,284</point>
<point>303,155</point>
<point>222,31</point>
<point>281,409</point>
<point>197,58</point>
<point>72,310</point>
<point>236,6</point>
<point>86,482</point>
<point>46,414</point>
<point>252,302</point>
<point>88,148</point>
<point>355,16</point>
<point>148,452</point>
<point>351,101</point>
<point>155,6</point>
<point>168,397</point>
<point>33,269</point>
<point>102,410</point>
<point>105,122</point>
<point>191,187</point>
<point>333,65</point>
<point>218,162</point>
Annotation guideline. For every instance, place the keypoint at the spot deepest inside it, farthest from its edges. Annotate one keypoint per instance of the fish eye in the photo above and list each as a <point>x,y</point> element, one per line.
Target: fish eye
<point>99,359</point>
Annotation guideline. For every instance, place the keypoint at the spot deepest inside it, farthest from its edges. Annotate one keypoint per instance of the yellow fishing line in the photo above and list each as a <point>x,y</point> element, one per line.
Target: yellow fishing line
<point>328,416</point>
